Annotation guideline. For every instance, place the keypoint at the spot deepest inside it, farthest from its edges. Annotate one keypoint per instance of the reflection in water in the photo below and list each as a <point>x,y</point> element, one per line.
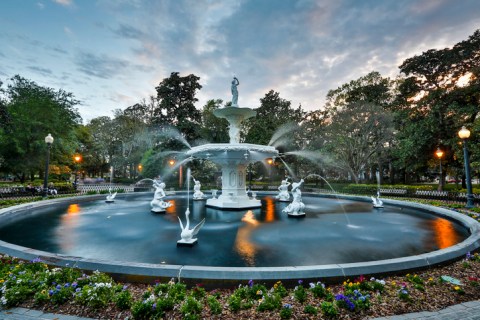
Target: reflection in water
<point>68,223</point>
<point>74,208</point>
<point>269,209</point>
<point>445,233</point>
<point>244,247</point>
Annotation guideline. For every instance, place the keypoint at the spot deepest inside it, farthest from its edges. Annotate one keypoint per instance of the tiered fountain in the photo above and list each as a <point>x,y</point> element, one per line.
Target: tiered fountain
<point>233,157</point>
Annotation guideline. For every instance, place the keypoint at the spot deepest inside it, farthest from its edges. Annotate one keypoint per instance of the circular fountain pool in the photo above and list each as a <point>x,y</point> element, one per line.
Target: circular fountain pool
<point>337,234</point>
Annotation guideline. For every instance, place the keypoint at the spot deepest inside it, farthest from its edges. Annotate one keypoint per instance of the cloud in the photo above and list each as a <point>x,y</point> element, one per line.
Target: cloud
<point>65,3</point>
<point>40,5</point>
<point>42,71</point>
<point>101,66</point>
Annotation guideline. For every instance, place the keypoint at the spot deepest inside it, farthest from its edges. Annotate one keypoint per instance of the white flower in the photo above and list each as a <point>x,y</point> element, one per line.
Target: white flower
<point>3,300</point>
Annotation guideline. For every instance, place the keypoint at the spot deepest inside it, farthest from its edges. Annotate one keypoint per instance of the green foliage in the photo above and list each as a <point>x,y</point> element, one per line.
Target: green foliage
<point>123,299</point>
<point>214,304</point>
<point>286,312</point>
<point>318,290</point>
<point>191,308</point>
<point>300,294</point>
<point>269,301</point>
<point>329,309</point>
<point>309,309</point>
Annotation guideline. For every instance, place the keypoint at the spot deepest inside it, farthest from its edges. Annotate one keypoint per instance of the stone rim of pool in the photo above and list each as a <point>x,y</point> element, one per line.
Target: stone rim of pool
<point>218,276</point>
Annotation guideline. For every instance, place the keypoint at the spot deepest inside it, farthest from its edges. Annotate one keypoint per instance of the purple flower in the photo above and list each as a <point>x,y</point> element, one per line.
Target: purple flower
<point>469,255</point>
<point>58,287</point>
<point>154,306</point>
<point>300,281</point>
<point>287,306</point>
<point>37,259</point>
<point>74,284</point>
<point>250,283</point>
<point>124,287</point>
<point>50,292</point>
<point>77,290</point>
<point>66,285</point>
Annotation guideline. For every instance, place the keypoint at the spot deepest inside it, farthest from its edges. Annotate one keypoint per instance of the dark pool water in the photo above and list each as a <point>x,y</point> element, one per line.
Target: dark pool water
<point>333,231</point>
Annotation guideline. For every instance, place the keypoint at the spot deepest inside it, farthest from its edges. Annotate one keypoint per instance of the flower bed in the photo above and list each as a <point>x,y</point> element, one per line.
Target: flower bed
<point>68,290</point>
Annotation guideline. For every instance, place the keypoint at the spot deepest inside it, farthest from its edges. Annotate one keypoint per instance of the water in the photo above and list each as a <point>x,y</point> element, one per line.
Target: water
<point>127,231</point>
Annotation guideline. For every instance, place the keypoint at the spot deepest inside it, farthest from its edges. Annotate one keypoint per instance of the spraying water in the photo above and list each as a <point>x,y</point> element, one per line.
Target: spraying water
<point>279,137</point>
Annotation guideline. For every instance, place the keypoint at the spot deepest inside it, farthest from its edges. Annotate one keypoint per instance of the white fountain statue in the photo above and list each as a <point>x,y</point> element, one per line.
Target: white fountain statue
<point>377,203</point>
<point>197,193</point>
<point>188,234</point>
<point>157,204</point>
<point>296,207</point>
<point>110,197</point>
<point>283,194</point>
<point>233,157</point>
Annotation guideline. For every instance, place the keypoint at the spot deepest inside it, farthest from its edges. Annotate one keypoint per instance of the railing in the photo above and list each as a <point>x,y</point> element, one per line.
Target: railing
<point>460,197</point>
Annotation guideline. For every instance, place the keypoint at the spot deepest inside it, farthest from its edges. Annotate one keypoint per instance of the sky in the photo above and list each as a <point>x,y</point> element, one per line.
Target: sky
<point>112,54</point>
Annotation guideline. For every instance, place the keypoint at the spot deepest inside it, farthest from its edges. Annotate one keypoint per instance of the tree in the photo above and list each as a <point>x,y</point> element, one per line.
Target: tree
<point>273,112</point>
<point>176,96</point>
<point>440,94</point>
<point>355,136</point>
<point>33,112</point>
<point>214,130</point>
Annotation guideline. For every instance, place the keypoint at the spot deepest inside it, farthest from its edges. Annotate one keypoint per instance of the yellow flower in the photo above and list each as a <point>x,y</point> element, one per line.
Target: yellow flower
<point>17,266</point>
<point>344,283</point>
<point>456,288</point>
<point>1,280</point>
<point>350,284</point>
<point>430,279</point>
<point>393,283</point>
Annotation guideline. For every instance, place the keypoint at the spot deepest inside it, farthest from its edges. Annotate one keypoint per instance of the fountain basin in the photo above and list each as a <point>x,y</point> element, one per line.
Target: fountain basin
<point>221,224</point>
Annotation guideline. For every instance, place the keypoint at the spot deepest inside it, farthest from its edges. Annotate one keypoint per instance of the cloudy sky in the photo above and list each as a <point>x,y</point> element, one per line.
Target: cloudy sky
<point>112,53</point>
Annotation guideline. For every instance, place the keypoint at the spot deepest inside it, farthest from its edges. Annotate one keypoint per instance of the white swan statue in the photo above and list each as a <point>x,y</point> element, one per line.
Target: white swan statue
<point>188,234</point>
<point>377,203</point>
<point>110,197</point>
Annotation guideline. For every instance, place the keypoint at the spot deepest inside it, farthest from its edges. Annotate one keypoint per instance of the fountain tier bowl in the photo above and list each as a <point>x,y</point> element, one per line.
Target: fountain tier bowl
<point>127,241</point>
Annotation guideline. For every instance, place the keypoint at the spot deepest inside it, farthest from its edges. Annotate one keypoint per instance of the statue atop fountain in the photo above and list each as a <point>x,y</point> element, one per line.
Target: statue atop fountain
<point>296,207</point>
<point>283,194</point>
<point>197,193</point>
<point>235,84</point>
<point>157,204</point>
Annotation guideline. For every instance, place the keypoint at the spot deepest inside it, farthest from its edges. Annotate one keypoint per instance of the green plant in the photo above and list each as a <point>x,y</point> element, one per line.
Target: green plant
<point>329,309</point>
<point>300,293</point>
<point>309,309</point>
<point>286,311</point>
<point>270,301</point>
<point>96,295</point>
<point>214,304</point>
<point>318,289</point>
<point>191,308</point>
<point>279,288</point>
<point>123,299</point>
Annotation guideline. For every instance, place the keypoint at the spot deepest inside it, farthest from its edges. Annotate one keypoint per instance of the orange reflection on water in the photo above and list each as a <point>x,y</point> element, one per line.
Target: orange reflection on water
<point>445,233</point>
<point>74,208</point>
<point>68,222</point>
<point>269,209</point>
<point>244,247</point>
<point>171,209</point>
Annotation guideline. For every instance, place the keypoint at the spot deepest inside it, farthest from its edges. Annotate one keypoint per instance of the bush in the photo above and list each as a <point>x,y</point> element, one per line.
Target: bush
<point>329,309</point>
<point>191,308</point>
<point>214,305</point>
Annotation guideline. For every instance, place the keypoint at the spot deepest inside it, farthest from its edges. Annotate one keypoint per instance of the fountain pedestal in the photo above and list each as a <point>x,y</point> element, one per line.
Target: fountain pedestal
<point>234,158</point>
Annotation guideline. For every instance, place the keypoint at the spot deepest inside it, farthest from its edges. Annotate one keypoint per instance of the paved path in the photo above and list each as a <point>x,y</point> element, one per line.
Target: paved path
<point>464,311</point>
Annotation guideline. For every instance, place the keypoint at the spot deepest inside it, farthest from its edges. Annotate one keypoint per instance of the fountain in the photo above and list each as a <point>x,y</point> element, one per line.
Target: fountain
<point>197,193</point>
<point>341,237</point>
<point>233,157</point>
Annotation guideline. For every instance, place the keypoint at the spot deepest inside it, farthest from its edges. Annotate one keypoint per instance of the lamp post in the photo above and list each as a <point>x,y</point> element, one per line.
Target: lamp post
<point>439,154</point>
<point>48,141</point>
<point>77,159</point>
<point>464,134</point>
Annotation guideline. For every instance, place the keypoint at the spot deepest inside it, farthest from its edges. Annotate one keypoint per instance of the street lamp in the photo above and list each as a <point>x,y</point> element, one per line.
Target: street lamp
<point>464,134</point>
<point>439,154</point>
<point>77,159</point>
<point>48,141</point>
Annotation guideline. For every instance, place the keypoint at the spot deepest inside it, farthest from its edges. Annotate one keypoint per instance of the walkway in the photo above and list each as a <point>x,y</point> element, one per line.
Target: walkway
<point>464,311</point>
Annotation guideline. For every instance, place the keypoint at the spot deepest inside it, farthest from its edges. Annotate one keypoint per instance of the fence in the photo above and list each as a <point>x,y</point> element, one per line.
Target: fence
<point>460,197</point>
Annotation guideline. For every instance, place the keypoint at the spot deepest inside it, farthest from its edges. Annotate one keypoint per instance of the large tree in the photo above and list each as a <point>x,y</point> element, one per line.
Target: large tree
<point>33,112</point>
<point>440,94</point>
<point>214,129</point>
<point>176,96</point>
